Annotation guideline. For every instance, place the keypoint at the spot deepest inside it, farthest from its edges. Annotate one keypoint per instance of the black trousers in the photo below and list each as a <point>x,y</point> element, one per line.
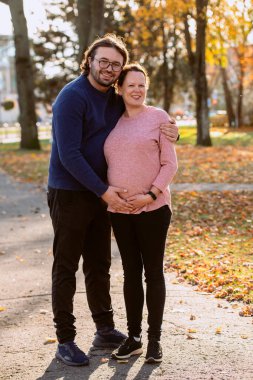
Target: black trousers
<point>141,241</point>
<point>81,228</point>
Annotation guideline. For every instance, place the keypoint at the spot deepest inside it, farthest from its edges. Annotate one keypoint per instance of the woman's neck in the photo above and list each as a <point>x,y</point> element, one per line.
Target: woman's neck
<point>133,111</point>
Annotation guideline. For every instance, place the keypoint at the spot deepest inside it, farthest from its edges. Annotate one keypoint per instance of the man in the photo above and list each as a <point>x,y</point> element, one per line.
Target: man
<point>84,113</point>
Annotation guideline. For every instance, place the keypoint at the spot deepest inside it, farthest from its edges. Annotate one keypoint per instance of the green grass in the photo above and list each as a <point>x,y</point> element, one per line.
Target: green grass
<point>219,137</point>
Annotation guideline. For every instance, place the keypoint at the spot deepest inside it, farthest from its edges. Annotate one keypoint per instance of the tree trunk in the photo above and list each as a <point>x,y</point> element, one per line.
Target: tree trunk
<point>228,98</point>
<point>90,23</point>
<point>239,115</point>
<point>203,135</point>
<point>24,75</point>
<point>188,42</point>
<point>169,77</point>
<point>83,25</point>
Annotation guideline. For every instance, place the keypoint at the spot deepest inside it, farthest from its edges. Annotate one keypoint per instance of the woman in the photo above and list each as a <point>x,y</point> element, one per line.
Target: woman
<point>141,160</point>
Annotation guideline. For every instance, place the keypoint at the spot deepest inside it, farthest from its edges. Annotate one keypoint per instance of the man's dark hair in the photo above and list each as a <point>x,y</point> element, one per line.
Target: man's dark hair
<point>108,40</point>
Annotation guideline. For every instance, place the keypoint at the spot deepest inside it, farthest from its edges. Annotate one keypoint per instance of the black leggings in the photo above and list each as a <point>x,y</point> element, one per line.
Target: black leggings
<point>141,241</point>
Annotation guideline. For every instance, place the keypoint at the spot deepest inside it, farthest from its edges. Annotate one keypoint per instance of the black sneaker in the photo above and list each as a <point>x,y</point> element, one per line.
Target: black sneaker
<point>128,348</point>
<point>154,352</point>
<point>108,338</point>
<point>71,354</point>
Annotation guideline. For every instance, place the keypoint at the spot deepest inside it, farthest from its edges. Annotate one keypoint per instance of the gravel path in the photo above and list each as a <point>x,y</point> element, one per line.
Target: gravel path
<point>26,321</point>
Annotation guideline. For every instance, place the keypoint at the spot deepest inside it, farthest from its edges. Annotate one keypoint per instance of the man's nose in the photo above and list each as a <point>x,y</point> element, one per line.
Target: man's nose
<point>109,68</point>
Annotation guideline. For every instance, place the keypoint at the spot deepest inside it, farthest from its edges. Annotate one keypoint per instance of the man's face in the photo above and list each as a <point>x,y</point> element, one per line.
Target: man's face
<point>102,78</point>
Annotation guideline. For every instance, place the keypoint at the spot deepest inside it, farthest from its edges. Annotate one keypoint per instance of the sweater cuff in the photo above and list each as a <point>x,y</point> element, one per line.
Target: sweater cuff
<point>102,189</point>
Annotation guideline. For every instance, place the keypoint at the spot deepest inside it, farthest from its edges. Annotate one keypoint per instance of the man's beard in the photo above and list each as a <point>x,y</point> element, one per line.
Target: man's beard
<point>96,76</point>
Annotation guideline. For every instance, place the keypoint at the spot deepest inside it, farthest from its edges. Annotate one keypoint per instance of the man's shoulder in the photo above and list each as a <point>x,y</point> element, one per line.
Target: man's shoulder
<point>76,85</point>
<point>72,91</point>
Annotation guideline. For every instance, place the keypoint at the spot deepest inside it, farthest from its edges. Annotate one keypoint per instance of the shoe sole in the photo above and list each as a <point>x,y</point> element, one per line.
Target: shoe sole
<point>139,351</point>
<point>152,360</point>
<point>70,363</point>
<point>106,345</point>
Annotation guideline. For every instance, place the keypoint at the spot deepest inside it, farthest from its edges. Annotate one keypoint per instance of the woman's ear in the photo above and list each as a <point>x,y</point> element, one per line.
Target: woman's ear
<point>119,90</point>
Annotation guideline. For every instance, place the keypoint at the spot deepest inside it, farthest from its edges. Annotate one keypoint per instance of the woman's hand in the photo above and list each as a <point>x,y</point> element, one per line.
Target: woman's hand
<point>139,200</point>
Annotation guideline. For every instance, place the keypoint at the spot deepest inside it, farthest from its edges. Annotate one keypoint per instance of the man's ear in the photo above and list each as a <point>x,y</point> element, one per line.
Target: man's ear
<point>89,61</point>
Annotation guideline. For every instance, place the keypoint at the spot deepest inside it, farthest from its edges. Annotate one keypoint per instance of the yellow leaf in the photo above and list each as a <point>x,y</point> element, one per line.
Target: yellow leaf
<point>193,331</point>
<point>2,308</point>
<point>218,331</point>
<point>19,259</point>
<point>244,336</point>
<point>50,340</point>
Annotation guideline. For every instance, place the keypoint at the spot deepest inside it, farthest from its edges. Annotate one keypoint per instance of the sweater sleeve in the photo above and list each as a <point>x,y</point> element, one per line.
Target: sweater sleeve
<point>68,115</point>
<point>168,162</point>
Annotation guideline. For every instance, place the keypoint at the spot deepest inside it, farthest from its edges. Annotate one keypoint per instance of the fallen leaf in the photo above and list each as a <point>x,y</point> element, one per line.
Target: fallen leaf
<point>20,259</point>
<point>50,340</point>
<point>2,308</point>
<point>192,331</point>
<point>104,360</point>
<point>244,336</point>
<point>190,337</point>
<point>43,311</point>
<point>247,311</point>
<point>218,331</point>
<point>192,317</point>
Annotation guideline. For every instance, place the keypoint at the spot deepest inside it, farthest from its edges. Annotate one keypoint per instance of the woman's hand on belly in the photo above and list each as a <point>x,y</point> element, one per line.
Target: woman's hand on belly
<point>138,201</point>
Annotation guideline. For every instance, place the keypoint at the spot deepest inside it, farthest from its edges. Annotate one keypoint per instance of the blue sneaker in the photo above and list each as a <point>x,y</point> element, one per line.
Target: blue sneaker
<point>70,354</point>
<point>108,337</point>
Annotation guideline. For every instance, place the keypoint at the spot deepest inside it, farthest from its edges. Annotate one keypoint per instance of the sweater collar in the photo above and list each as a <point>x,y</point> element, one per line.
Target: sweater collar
<point>95,91</point>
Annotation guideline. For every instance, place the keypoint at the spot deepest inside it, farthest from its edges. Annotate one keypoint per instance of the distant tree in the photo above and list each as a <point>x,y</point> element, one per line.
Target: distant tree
<point>89,23</point>
<point>197,62</point>
<point>55,50</point>
<point>24,76</point>
<point>153,35</point>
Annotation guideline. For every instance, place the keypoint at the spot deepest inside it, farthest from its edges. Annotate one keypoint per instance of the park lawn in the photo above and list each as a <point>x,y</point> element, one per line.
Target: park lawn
<point>210,243</point>
<point>25,165</point>
<point>229,160</point>
<point>231,163</point>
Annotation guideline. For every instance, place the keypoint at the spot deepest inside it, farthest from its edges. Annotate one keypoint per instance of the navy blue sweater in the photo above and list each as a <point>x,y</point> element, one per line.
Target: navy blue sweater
<point>83,117</point>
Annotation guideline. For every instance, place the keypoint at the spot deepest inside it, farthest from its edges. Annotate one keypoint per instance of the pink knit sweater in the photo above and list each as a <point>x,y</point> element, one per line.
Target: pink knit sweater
<point>139,156</point>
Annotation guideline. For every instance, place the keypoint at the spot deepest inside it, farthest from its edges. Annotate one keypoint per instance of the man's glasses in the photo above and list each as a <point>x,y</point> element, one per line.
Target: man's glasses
<point>104,64</point>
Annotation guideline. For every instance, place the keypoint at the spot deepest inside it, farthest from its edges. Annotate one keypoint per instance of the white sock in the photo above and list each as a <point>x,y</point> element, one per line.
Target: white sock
<point>137,338</point>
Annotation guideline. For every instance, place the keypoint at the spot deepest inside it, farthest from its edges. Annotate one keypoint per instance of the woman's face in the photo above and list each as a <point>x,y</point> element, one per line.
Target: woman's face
<point>134,89</point>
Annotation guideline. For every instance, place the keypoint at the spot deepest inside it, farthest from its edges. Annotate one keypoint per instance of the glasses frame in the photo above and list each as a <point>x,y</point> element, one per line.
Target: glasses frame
<point>109,64</point>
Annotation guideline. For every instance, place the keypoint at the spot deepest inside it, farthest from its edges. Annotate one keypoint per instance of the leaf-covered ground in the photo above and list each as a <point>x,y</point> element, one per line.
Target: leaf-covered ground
<point>210,242</point>
<point>25,165</point>
<point>226,164</point>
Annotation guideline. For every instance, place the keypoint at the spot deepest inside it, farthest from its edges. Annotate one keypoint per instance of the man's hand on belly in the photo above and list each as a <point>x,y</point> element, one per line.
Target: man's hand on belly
<point>112,198</point>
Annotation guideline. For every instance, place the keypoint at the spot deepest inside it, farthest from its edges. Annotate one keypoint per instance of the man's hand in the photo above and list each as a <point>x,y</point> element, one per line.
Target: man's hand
<point>112,198</point>
<point>139,200</point>
<point>170,130</point>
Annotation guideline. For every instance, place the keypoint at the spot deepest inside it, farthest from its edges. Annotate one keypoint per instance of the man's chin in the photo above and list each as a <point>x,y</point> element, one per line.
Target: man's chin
<point>105,84</point>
